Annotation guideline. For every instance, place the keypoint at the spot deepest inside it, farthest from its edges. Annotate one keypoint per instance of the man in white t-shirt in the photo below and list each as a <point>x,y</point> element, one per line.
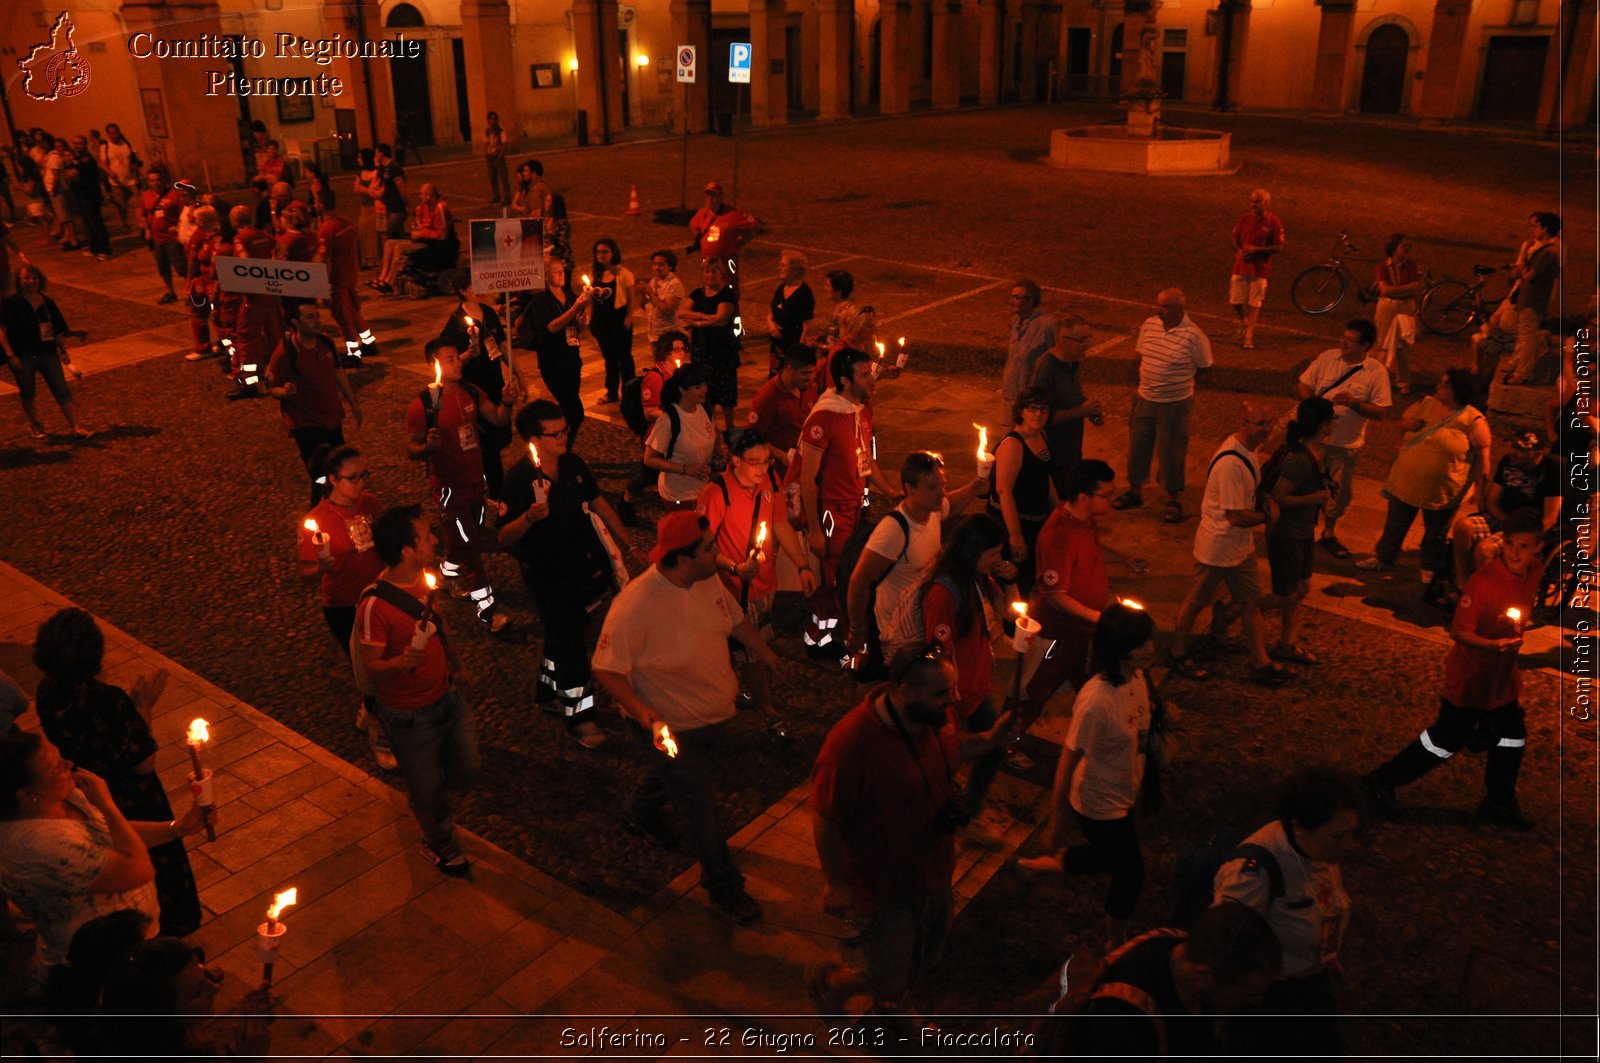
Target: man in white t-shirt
<point>900,554</point>
<point>1171,350</point>
<point>663,658</point>
<point>121,164</point>
<point>1358,387</point>
<point>1225,550</point>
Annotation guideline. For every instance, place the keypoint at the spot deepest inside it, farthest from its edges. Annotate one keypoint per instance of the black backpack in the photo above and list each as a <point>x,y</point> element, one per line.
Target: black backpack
<point>1195,874</point>
<point>874,668</point>
<point>633,405</point>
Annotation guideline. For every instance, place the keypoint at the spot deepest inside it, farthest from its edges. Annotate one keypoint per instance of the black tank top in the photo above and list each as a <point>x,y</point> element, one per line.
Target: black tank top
<point>1032,489</point>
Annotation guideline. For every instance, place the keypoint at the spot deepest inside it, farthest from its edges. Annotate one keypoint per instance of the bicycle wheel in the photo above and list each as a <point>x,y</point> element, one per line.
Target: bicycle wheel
<point>1559,584</point>
<point>1448,308</point>
<point>1318,290</point>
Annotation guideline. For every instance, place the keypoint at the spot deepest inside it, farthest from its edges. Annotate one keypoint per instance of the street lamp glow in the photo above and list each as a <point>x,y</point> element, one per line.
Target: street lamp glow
<point>641,60</point>
<point>572,64</point>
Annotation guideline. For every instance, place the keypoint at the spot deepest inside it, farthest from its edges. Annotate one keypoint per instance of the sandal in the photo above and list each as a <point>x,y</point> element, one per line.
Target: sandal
<point>1187,667</point>
<point>1293,654</point>
<point>1332,544</point>
<point>37,432</point>
<point>1172,513</point>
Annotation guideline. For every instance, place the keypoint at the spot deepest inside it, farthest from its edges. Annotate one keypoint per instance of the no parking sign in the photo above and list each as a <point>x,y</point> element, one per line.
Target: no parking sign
<point>686,64</point>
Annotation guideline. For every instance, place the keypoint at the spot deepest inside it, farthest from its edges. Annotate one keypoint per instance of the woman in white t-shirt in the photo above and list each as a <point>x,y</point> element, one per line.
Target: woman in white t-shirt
<point>661,294</point>
<point>1102,767</point>
<point>682,442</point>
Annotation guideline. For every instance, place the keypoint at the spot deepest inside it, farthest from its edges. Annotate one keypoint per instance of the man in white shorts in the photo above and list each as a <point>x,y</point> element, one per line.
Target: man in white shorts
<point>1257,237</point>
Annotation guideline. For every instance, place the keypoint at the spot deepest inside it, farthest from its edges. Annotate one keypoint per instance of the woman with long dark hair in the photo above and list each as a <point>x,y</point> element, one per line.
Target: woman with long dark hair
<point>1102,767</point>
<point>710,318</point>
<point>611,319</point>
<point>1301,489</point>
<point>968,574</point>
<point>107,730</point>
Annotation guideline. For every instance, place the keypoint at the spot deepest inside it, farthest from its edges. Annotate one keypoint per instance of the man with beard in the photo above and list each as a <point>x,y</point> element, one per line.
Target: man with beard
<point>884,810</point>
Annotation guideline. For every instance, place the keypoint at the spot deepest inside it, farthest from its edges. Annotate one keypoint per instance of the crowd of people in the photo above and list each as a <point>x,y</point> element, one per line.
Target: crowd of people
<point>776,492</point>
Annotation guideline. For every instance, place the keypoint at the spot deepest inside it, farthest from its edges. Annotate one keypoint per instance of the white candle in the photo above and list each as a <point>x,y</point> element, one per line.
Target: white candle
<point>985,459</point>
<point>900,359</point>
<point>320,539</point>
<point>1027,629</point>
<point>541,491</point>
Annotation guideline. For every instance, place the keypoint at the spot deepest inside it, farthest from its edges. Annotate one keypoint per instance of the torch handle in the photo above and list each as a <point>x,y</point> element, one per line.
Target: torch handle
<point>206,814</point>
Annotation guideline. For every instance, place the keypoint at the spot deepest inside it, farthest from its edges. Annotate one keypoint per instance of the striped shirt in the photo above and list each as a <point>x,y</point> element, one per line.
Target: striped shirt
<point>1168,359</point>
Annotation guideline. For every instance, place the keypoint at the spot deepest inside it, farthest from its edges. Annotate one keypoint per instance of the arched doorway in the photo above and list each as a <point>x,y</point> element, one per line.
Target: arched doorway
<point>413,106</point>
<point>1383,75</point>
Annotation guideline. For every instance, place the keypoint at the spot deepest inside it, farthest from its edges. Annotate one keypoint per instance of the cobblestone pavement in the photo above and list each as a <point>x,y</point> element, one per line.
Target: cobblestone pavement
<point>176,525</point>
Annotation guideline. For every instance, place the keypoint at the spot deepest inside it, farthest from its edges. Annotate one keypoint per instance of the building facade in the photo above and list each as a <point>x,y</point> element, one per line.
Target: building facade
<point>602,68</point>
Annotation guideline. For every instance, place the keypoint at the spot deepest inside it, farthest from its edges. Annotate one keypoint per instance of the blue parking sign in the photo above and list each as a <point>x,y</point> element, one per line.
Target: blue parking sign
<point>739,63</point>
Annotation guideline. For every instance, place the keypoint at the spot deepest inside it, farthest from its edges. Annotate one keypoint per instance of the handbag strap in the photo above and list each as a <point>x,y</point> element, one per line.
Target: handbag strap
<point>1434,428</point>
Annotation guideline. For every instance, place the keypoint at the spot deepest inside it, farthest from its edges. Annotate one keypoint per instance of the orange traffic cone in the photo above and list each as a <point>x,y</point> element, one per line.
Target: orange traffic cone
<point>633,201</point>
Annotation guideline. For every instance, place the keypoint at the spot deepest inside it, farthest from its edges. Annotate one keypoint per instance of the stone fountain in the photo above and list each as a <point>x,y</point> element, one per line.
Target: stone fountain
<point>1141,142</point>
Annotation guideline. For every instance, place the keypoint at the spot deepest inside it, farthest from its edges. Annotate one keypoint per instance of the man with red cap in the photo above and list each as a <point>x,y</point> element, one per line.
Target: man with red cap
<point>674,679</point>
<point>720,230</point>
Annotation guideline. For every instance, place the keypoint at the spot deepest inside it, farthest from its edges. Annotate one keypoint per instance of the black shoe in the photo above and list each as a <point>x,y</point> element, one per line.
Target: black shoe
<point>1380,793</point>
<point>243,393</point>
<point>738,905</point>
<point>369,350</point>
<point>167,299</point>
<point>448,858</point>
<point>657,831</point>
<point>1506,814</point>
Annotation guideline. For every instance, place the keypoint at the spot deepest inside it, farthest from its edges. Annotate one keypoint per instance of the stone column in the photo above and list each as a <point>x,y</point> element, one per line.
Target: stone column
<point>187,109</point>
<point>769,74</point>
<point>835,32</point>
<point>1569,83</point>
<point>946,89</point>
<point>894,71</point>
<point>1333,53</point>
<point>1445,40</point>
<point>991,50</point>
<point>594,39</point>
<point>491,78</point>
<point>1027,74</point>
<point>691,25</point>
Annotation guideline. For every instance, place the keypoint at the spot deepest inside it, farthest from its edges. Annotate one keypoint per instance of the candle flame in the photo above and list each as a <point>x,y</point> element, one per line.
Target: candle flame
<point>282,901</point>
<point>668,743</point>
<point>586,280</point>
<point>878,344</point>
<point>533,451</point>
<point>902,341</point>
<point>1020,608</point>
<point>983,440</point>
<point>1132,603</point>
<point>761,535</point>
<point>469,321</point>
<point>1513,614</point>
<point>433,584</point>
<point>199,731</point>
<point>677,363</point>
<point>311,525</point>
<point>438,373</point>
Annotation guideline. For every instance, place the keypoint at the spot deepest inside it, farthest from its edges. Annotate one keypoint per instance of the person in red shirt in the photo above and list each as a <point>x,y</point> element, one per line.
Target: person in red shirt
<point>443,423</point>
<point>1073,586</point>
<point>1257,237</point>
<point>409,657</point>
<point>295,244</point>
<point>433,240</point>
<point>838,459</point>
<point>671,351</point>
<point>203,247</point>
<point>884,810</point>
<point>779,409</point>
<point>159,207</point>
<point>968,574</point>
<point>738,504</point>
<point>1478,707</point>
<point>339,248</point>
<point>259,314</point>
<point>304,376</point>
<point>720,230</point>
<point>340,555</point>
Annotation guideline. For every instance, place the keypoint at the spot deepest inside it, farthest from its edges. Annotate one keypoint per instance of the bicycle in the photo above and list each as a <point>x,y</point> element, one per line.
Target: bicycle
<point>1319,289</point>
<point>1450,306</point>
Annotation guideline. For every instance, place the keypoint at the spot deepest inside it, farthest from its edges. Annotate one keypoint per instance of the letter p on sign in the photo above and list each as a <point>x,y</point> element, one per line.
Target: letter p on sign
<point>739,63</point>
<point>686,64</point>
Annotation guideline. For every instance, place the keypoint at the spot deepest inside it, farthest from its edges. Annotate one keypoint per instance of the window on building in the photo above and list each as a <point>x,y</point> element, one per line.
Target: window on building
<point>1174,38</point>
<point>1524,12</point>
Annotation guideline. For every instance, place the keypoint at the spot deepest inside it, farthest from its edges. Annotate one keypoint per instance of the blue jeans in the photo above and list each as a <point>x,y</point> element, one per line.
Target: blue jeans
<point>437,747</point>
<point>1436,523</point>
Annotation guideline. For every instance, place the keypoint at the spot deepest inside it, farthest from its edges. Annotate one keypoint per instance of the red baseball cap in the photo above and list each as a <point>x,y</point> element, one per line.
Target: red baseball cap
<point>676,531</point>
